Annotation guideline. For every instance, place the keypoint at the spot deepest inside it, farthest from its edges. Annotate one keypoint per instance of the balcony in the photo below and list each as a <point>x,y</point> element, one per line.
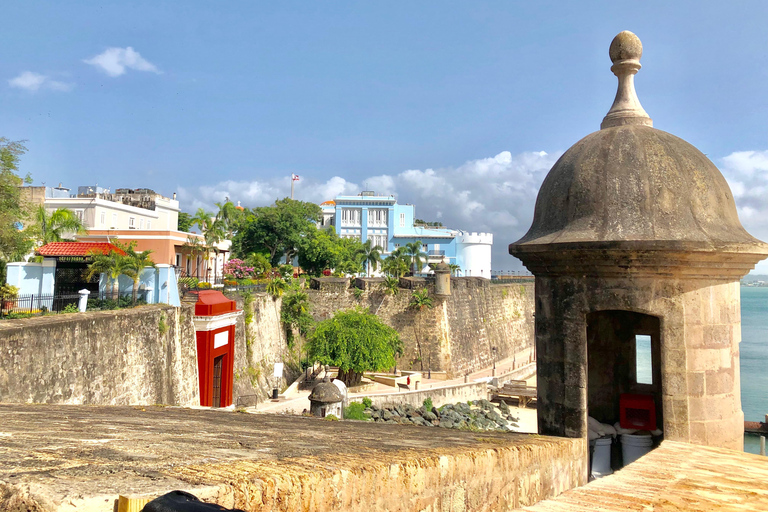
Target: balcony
<point>435,253</point>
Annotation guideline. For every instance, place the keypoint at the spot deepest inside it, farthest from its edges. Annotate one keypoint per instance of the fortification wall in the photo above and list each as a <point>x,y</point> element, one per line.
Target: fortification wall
<point>138,356</point>
<point>458,333</point>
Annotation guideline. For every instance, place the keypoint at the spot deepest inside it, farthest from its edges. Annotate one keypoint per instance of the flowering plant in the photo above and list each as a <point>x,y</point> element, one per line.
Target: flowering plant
<point>237,269</point>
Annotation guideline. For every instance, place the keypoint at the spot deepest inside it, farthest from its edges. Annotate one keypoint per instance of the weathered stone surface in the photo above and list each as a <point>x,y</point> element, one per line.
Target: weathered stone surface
<point>105,357</point>
<point>674,477</point>
<point>66,458</point>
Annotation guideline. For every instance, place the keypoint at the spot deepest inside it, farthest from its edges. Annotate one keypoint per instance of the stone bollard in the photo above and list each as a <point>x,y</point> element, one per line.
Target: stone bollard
<point>83,301</point>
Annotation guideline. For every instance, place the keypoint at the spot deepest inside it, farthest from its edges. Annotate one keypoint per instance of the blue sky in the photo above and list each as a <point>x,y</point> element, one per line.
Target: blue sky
<point>457,107</point>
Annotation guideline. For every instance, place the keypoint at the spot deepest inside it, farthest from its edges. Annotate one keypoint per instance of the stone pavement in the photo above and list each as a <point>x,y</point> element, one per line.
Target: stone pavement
<point>674,477</point>
<point>69,457</point>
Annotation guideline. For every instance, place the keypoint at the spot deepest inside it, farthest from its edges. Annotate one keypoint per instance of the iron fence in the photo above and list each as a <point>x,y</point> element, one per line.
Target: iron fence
<point>37,303</point>
<point>34,304</point>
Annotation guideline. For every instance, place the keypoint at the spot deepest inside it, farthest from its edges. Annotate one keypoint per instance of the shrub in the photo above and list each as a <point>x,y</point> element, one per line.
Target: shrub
<point>71,308</point>
<point>238,269</point>
<point>202,285</point>
<point>230,282</point>
<point>428,403</point>
<point>367,402</point>
<point>355,411</point>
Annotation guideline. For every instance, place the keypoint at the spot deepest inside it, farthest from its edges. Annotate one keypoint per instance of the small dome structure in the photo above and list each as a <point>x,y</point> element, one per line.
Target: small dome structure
<point>326,398</point>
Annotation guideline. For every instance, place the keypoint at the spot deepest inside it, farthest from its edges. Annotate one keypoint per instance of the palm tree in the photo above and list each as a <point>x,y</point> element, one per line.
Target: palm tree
<point>51,227</point>
<point>202,219</point>
<point>370,254</point>
<point>137,261</point>
<point>420,300</point>
<point>113,265</point>
<point>396,264</point>
<point>275,287</point>
<point>454,269</point>
<point>414,252</point>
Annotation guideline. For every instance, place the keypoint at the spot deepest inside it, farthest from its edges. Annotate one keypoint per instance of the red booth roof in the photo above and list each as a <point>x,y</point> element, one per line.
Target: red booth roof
<point>77,249</point>
<point>212,303</point>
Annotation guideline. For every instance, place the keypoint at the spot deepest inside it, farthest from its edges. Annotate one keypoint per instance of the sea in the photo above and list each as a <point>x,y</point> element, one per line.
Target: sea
<point>754,359</point>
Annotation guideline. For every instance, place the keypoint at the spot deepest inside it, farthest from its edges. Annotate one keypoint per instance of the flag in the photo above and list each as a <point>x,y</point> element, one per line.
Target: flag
<point>295,177</point>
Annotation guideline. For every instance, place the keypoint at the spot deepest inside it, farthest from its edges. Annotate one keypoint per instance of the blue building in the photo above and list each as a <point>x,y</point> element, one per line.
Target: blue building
<point>391,225</point>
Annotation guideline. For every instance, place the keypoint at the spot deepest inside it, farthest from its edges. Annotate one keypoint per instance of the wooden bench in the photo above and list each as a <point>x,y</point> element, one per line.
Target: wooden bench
<point>403,387</point>
<point>519,390</point>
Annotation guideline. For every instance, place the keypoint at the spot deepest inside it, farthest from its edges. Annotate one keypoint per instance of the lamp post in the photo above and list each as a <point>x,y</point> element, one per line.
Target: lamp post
<point>493,349</point>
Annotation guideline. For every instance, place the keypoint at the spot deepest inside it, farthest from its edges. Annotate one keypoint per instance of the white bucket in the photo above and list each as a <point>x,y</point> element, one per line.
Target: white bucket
<point>601,457</point>
<point>634,446</point>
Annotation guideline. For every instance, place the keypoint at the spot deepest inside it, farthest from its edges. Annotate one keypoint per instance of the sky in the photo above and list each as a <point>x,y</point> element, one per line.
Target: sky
<point>460,108</point>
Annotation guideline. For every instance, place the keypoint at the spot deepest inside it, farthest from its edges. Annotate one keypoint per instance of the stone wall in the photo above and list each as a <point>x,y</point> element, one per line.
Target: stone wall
<point>257,351</point>
<point>458,333</point>
<point>138,356</point>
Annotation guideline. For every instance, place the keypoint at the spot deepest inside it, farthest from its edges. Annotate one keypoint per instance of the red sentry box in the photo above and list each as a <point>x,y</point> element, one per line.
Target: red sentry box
<point>637,412</point>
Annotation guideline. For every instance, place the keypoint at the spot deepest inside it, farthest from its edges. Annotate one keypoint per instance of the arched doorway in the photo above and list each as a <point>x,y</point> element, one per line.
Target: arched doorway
<point>623,357</point>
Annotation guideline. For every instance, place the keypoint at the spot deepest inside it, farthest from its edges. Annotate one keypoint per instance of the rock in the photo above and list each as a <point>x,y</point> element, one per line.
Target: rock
<point>503,407</point>
<point>386,415</point>
<point>429,416</point>
<point>446,423</point>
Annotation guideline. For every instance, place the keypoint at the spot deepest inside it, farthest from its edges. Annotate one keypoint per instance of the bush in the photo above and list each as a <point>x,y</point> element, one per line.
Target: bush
<point>428,403</point>
<point>367,402</point>
<point>71,308</point>
<point>203,285</point>
<point>238,269</point>
<point>189,282</point>
<point>355,411</point>
<point>230,282</point>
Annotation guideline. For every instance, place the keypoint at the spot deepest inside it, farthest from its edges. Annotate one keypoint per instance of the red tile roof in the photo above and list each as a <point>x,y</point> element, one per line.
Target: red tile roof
<point>77,249</point>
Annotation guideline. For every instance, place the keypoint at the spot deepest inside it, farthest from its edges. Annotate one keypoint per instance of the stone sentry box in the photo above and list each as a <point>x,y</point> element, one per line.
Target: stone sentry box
<point>636,236</point>
<point>215,319</point>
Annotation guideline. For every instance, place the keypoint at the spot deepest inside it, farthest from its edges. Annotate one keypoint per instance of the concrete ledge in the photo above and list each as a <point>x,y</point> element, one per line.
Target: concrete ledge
<point>439,396</point>
<point>66,458</point>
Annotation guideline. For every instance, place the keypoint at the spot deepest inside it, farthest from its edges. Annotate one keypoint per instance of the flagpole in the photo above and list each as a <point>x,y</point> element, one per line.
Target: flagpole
<point>292,180</point>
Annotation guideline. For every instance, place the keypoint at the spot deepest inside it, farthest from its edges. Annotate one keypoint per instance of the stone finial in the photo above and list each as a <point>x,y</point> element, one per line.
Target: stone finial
<point>625,52</point>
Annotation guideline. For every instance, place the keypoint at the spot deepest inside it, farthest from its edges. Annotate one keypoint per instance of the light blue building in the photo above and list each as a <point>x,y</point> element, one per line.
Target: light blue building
<point>391,225</point>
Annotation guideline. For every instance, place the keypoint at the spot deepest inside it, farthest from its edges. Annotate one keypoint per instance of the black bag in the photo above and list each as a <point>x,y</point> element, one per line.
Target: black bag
<point>180,501</point>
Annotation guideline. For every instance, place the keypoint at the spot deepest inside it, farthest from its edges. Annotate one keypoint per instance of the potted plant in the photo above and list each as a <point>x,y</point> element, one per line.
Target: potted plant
<point>8,294</point>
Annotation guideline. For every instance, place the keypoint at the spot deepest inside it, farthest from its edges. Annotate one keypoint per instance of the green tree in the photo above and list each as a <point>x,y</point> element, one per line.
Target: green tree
<point>349,258</point>
<point>414,251</point>
<point>294,314</point>
<point>355,341</point>
<point>454,269</point>
<point>195,246</point>
<point>185,222</point>
<point>276,287</point>
<point>259,262</point>
<point>136,262</point>
<point>15,241</point>
<point>51,227</point>
<point>319,251</point>
<point>420,300</point>
<point>113,265</point>
<point>397,263</point>
<point>277,230</point>
<point>371,255</point>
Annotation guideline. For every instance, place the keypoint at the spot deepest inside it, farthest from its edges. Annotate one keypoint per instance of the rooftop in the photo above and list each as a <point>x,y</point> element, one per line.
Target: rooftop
<point>77,249</point>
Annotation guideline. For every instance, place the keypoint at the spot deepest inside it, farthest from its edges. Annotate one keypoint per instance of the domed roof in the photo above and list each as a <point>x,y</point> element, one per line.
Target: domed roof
<point>630,185</point>
<point>326,393</point>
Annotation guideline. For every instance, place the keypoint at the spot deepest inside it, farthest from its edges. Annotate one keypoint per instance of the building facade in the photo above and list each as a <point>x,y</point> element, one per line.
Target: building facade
<point>391,225</point>
<point>136,215</point>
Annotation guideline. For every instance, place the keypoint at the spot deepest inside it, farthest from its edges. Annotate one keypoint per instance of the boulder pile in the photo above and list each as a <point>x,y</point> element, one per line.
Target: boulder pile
<point>478,415</point>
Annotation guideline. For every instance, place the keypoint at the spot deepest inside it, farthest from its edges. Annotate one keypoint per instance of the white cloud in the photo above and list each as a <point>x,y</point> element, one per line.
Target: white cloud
<point>494,194</point>
<point>747,174</point>
<point>33,82</point>
<point>115,61</point>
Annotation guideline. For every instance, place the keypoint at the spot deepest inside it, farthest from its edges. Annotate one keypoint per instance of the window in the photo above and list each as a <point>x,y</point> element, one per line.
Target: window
<point>103,218</point>
<point>377,217</point>
<point>131,222</point>
<point>79,215</point>
<point>351,216</point>
<point>425,248</point>
<point>141,223</point>
<point>114,221</point>
<point>643,364</point>
<point>379,240</point>
<point>178,260</point>
<point>149,224</point>
<point>402,220</point>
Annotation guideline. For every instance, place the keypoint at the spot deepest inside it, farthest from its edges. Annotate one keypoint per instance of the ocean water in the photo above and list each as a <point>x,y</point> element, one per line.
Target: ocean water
<point>754,359</point>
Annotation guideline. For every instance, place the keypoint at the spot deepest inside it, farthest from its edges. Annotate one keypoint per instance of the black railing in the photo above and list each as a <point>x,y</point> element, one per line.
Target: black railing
<point>41,304</point>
